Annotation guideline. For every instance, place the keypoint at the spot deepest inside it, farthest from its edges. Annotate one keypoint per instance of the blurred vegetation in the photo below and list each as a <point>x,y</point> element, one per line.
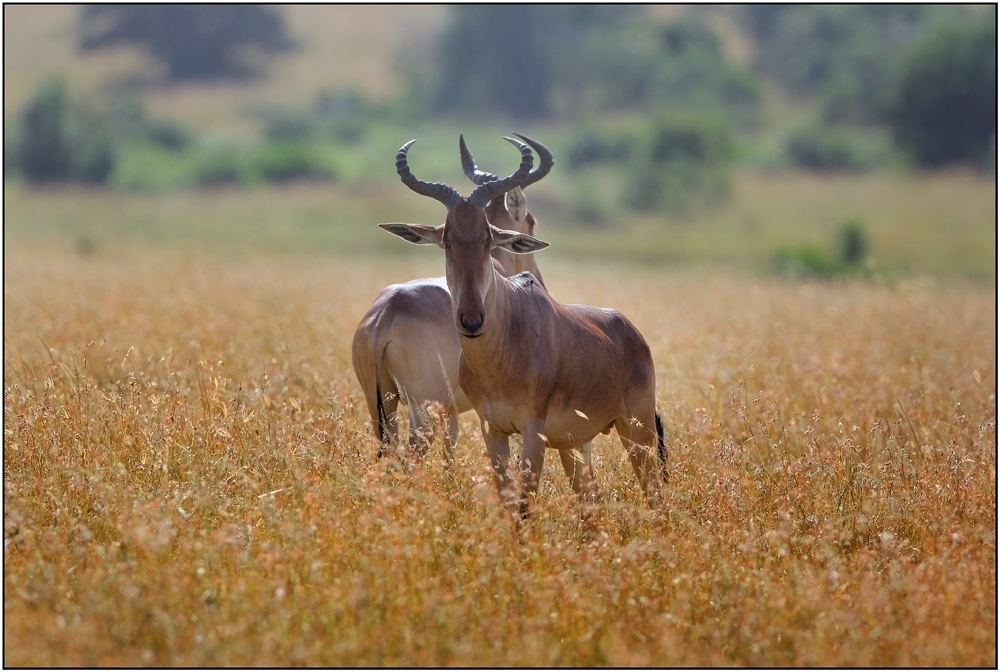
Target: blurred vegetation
<point>834,148</point>
<point>566,60</point>
<point>191,42</point>
<point>943,96</point>
<point>647,118</point>
<point>813,261</point>
<point>680,161</point>
<point>61,141</point>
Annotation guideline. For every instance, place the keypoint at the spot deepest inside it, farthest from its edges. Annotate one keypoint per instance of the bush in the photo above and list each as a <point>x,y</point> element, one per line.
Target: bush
<point>826,149</point>
<point>43,150</point>
<point>280,162</point>
<point>149,167</point>
<point>810,261</point>
<point>681,161</point>
<point>807,261</point>
<point>10,164</point>
<point>288,125</point>
<point>168,134</point>
<point>340,114</point>
<point>853,242</point>
<point>62,142</point>
<point>223,165</point>
<point>590,146</point>
<point>131,123</point>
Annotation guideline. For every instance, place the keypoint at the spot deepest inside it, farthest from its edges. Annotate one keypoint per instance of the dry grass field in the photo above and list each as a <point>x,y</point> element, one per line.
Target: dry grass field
<point>190,479</point>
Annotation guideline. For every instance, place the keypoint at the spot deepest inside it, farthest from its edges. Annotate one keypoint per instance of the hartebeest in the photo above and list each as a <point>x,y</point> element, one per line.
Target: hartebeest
<point>555,374</point>
<point>406,348</point>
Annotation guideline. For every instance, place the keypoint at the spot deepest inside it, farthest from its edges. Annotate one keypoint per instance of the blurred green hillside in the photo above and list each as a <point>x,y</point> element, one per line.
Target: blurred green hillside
<point>758,135</point>
<point>345,47</point>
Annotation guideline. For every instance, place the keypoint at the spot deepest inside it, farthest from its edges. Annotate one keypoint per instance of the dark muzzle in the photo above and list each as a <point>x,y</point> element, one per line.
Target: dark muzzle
<point>471,327</point>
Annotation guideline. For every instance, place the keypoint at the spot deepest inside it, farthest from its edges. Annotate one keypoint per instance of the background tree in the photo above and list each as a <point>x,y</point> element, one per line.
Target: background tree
<point>838,54</point>
<point>680,66</point>
<point>192,41</point>
<point>942,100</point>
<point>515,59</point>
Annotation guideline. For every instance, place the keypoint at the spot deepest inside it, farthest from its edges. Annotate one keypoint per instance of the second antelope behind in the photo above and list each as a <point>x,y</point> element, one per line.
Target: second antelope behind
<point>406,350</point>
<point>555,374</point>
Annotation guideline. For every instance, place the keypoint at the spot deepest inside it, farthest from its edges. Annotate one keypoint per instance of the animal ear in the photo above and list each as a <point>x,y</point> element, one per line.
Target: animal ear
<point>516,204</point>
<point>518,243</point>
<point>418,234</point>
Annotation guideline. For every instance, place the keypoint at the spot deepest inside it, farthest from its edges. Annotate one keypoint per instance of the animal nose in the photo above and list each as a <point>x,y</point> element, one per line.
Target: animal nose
<point>471,327</point>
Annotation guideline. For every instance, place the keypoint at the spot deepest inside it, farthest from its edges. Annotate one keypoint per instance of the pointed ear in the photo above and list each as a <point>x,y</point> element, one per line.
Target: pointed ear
<point>518,243</point>
<point>516,204</point>
<point>418,234</point>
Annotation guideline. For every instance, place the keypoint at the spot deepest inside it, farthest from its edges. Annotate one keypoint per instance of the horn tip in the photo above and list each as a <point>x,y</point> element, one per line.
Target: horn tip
<point>517,143</point>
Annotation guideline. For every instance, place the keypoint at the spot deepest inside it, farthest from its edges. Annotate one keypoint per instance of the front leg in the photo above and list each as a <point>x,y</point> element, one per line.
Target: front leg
<point>498,448</point>
<point>577,464</point>
<point>532,458</point>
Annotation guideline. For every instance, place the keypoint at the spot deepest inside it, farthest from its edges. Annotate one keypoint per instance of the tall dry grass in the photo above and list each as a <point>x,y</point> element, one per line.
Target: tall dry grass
<point>190,479</point>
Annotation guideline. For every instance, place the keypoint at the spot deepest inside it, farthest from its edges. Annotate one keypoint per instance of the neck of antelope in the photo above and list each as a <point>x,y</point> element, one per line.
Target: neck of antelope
<point>509,338</point>
<point>517,263</point>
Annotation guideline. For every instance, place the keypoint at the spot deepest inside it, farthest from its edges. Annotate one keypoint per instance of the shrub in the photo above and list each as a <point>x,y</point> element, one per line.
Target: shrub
<point>853,242</point>
<point>279,162</point>
<point>168,134</point>
<point>806,261</point>
<point>825,148</point>
<point>10,165</point>
<point>591,146</point>
<point>223,165</point>
<point>811,261</point>
<point>288,125</point>
<point>132,123</point>
<point>91,148</point>
<point>60,141</point>
<point>149,167</point>
<point>43,152</point>
<point>681,161</point>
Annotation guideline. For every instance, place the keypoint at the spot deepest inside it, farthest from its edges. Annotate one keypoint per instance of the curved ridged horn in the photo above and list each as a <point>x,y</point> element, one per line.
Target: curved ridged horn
<point>441,192</point>
<point>469,165</point>
<point>485,193</point>
<point>545,162</point>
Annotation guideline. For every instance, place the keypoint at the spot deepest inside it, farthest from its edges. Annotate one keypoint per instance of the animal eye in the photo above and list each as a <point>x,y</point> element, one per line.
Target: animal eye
<point>447,244</point>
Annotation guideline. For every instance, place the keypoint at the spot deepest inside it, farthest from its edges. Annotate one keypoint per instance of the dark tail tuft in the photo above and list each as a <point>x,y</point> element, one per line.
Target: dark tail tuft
<point>661,445</point>
<point>383,433</point>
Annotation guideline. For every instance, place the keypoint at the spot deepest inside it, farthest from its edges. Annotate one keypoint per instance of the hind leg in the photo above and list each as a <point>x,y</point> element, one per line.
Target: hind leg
<point>389,422</point>
<point>639,440</point>
<point>420,430</point>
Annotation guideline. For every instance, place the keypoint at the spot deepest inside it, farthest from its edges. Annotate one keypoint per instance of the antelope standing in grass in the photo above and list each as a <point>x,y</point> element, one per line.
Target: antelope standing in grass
<point>555,374</point>
<point>406,349</point>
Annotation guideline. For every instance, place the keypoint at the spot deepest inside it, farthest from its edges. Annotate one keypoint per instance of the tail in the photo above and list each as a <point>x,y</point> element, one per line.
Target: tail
<point>366,356</point>
<point>661,445</point>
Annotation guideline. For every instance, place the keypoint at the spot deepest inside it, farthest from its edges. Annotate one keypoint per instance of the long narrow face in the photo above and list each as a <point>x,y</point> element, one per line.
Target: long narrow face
<point>467,237</point>
<point>468,266</point>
